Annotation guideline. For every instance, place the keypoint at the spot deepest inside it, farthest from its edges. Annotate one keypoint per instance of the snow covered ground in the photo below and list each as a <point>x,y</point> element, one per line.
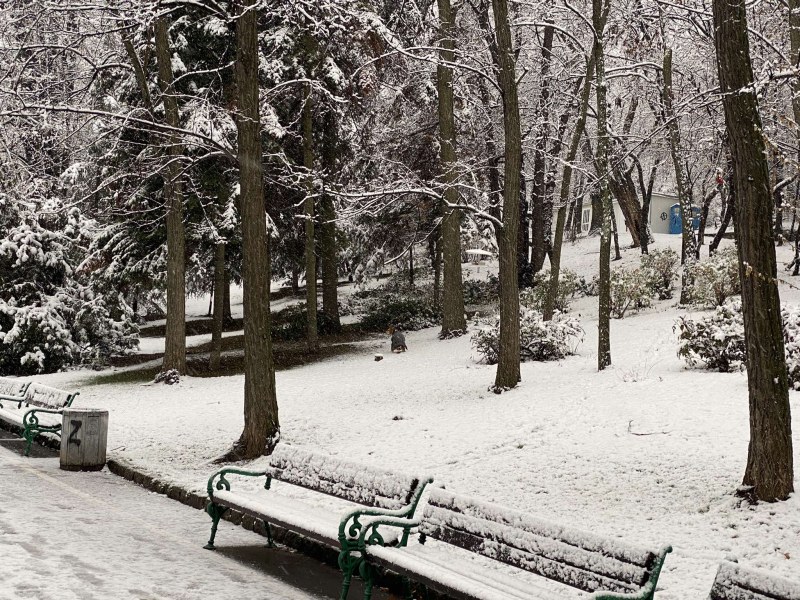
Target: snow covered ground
<point>94,536</point>
<point>647,450</point>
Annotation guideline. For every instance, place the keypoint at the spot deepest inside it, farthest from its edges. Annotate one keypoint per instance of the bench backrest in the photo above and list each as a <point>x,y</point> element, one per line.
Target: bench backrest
<point>737,583</point>
<point>48,397</point>
<point>572,557</point>
<point>13,388</point>
<point>351,481</point>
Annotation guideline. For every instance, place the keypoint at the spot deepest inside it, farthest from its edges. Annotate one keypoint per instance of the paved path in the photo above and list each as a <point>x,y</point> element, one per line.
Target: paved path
<point>95,536</point>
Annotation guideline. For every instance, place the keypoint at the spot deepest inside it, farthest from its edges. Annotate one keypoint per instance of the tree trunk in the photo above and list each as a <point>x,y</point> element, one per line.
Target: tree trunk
<point>219,295</point>
<point>508,372</point>
<point>615,234</point>
<point>647,196</point>
<point>770,468</point>
<point>227,314</point>
<point>599,14</point>
<point>261,425</point>
<point>327,236</point>
<point>566,182</point>
<point>729,207</point>
<point>435,251</point>
<point>701,233</point>
<point>688,246</point>
<point>312,337</point>
<point>538,193</point>
<point>597,212</point>
<point>453,321</point>
<point>175,343</point>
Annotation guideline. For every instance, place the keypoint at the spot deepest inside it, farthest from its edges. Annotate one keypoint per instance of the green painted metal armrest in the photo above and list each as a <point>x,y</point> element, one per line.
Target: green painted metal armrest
<point>224,484</point>
<point>31,421</point>
<point>370,536</point>
<point>648,591</point>
<point>350,531</point>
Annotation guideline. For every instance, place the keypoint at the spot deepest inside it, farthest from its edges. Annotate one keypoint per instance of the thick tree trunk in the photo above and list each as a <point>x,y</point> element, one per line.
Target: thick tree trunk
<point>453,321</point>
<point>597,212</point>
<point>327,236</point>
<point>539,193</point>
<point>770,469</point>
<point>599,14</point>
<point>261,425</point>
<point>729,207</point>
<point>312,337</point>
<point>175,343</point>
<point>508,372</point>
<point>227,314</point>
<point>701,233</point>
<point>615,234</point>
<point>647,196</point>
<point>688,245</point>
<point>566,183</point>
<point>219,297</point>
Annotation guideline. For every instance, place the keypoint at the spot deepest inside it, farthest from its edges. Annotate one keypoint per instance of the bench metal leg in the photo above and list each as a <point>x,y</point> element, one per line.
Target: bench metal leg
<point>29,436</point>
<point>270,541</point>
<point>349,563</point>
<point>215,512</point>
<point>407,589</point>
<point>368,575</point>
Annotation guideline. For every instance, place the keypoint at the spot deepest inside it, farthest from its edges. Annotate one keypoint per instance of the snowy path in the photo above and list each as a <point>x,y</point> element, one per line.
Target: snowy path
<point>94,536</point>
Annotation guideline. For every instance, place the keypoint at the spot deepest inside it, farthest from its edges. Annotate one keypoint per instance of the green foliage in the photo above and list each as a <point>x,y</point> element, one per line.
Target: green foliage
<point>409,311</point>
<point>631,289</point>
<point>535,297</point>
<point>540,340</point>
<point>291,324</point>
<point>716,340</point>
<point>660,267</point>
<point>715,279</point>
<point>483,291</point>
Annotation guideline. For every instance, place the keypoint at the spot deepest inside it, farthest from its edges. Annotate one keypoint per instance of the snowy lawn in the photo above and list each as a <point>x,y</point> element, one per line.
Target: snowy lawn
<point>647,451</point>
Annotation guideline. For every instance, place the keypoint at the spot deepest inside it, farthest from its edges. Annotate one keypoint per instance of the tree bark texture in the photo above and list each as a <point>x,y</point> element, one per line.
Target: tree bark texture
<point>769,468</point>
<point>175,343</point>
<point>312,337</point>
<point>327,235</point>
<point>508,372</point>
<point>219,301</point>
<point>566,183</point>
<point>539,193</point>
<point>261,425</point>
<point>604,313</point>
<point>688,244</point>
<point>453,320</point>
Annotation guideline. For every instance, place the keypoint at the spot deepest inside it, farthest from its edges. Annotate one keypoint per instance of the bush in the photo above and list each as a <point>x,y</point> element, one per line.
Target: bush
<point>630,289</point>
<point>714,280</point>
<point>291,324</point>
<point>660,268</point>
<point>483,291</point>
<point>568,285</point>
<point>539,340</point>
<point>717,340</point>
<point>408,311</point>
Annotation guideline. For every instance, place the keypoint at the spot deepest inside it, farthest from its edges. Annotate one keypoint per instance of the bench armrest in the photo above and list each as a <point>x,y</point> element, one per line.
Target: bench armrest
<point>30,418</point>
<point>222,482</point>
<point>648,590</point>
<point>370,536</point>
<point>351,527</point>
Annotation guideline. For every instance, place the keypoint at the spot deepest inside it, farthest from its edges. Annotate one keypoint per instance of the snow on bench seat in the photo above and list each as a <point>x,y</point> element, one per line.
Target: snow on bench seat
<point>333,492</point>
<point>38,412</point>
<point>734,582</point>
<point>510,542</point>
<point>313,521</point>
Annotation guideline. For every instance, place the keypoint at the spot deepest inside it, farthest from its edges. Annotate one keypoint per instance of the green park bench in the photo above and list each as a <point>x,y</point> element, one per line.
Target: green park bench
<point>734,582</point>
<point>12,390</point>
<point>473,550</point>
<point>38,411</point>
<point>349,495</point>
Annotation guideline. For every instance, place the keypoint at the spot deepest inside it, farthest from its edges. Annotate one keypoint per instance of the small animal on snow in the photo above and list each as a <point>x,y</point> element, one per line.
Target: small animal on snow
<point>398,340</point>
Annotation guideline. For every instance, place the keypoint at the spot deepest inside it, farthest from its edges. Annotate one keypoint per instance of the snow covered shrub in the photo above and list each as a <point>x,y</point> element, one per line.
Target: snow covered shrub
<point>716,340</point>
<point>660,268</point>
<point>715,279</point>
<point>409,311</point>
<point>589,288</point>
<point>482,291</point>
<point>790,316</point>
<point>630,289</point>
<point>49,317</point>
<point>291,324</point>
<point>540,340</point>
<point>169,377</point>
<point>568,285</point>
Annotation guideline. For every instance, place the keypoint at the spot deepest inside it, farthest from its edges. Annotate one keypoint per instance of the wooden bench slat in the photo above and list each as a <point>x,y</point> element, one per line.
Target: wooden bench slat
<point>343,479</point>
<point>12,388</point>
<point>48,397</point>
<point>734,582</point>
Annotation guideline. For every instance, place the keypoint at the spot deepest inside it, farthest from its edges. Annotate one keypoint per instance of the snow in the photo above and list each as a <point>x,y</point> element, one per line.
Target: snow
<point>733,576</point>
<point>83,536</point>
<point>647,451</point>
